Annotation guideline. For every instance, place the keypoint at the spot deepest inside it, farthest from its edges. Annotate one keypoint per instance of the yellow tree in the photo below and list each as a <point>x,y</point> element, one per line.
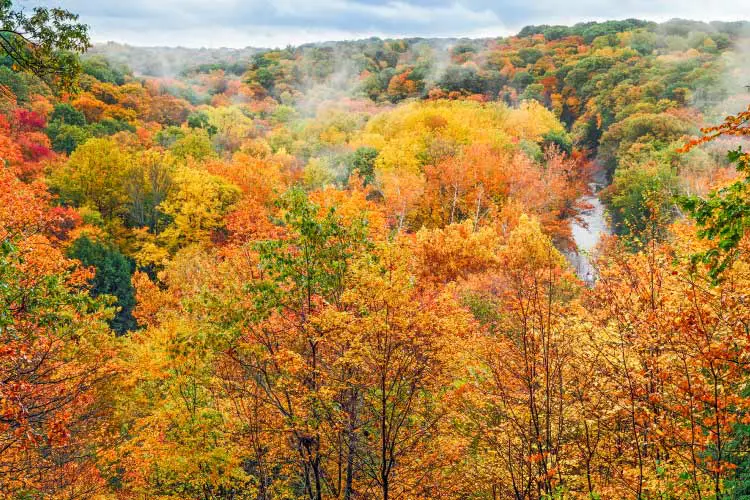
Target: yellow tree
<point>403,365</point>
<point>178,440</point>
<point>197,206</point>
<point>148,182</point>
<point>281,347</point>
<point>94,176</point>
<point>519,410</point>
<point>673,352</point>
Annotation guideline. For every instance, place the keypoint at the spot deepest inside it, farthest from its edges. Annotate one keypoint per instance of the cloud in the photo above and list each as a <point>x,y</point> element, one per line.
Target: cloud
<point>240,23</point>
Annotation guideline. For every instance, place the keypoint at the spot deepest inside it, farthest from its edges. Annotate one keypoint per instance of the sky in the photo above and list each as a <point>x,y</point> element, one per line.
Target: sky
<point>277,23</point>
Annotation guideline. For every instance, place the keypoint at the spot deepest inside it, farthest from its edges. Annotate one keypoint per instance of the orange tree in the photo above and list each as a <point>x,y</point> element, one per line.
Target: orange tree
<point>724,215</point>
<point>55,351</point>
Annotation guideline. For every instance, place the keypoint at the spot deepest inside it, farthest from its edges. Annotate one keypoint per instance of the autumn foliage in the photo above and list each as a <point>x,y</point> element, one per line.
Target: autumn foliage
<point>230,285</point>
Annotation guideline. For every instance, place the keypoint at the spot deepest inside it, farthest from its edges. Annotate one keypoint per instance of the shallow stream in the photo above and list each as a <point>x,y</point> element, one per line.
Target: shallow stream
<point>589,231</point>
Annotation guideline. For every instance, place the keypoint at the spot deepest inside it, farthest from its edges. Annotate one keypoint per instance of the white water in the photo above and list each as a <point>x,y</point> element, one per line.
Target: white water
<point>588,233</point>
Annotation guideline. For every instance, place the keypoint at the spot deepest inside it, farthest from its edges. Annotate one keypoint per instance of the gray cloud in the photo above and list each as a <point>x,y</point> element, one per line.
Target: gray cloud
<point>239,23</point>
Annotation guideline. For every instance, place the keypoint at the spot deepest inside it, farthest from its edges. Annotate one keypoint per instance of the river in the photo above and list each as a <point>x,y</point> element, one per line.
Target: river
<point>588,232</point>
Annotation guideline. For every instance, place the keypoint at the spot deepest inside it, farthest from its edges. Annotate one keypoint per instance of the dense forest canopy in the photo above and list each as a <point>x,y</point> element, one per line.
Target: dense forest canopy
<point>345,270</point>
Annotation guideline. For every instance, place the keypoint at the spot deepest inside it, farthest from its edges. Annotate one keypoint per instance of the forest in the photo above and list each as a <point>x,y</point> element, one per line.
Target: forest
<point>346,270</point>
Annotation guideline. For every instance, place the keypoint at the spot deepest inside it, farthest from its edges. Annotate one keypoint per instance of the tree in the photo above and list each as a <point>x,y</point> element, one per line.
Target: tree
<point>642,201</point>
<point>196,145</point>
<point>177,441</point>
<point>466,186</point>
<point>196,206</point>
<point>671,351</point>
<point>363,161</point>
<point>91,107</point>
<point>455,252</point>
<point>66,138</point>
<point>522,372</point>
<point>56,366</point>
<point>229,127</point>
<point>148,181</point>
<point>93,176</point>
<point>67,114</point>
<point>168,109</point>
<point>724,215</point>
<point>104,71</point>
<point>284,348</point>
<point>402,355</point>
<point>112,277</point>
<point>44,43</point>
<point>199,119</point>
<point>640,137</point>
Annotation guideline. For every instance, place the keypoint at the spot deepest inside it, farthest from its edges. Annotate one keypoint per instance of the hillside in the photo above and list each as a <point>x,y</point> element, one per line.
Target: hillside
<point>354,270</point>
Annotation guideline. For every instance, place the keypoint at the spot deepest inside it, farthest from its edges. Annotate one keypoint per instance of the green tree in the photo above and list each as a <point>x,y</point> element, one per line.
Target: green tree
<point>200,119</point>
<point>363,161</point>
<point>640,137</point>
<point>101,69</point>
<point>109,126</point>
<point>45,43</point>
<point>641,201</point>
<point>67,114</point>
<point>723,216</point>
<point>196,145</point>
<point>66,138</point>
<point>113,272</point>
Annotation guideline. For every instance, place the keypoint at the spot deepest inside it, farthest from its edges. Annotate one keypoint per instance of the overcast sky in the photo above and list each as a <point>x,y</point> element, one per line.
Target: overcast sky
<point>260,23</point>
